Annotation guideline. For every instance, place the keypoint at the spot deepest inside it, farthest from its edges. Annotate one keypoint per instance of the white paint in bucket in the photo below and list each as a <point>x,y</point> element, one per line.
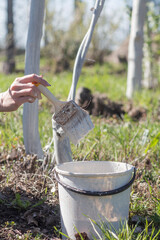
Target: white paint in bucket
<point>93,176</point>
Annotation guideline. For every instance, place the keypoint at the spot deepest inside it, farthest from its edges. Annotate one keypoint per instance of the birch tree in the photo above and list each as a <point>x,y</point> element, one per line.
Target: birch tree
<point>135,52</point>
<point>32,59</point>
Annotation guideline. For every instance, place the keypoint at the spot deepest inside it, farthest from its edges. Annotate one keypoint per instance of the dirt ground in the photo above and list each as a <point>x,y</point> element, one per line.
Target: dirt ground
<point>100,105</point>
<point>28,199</point>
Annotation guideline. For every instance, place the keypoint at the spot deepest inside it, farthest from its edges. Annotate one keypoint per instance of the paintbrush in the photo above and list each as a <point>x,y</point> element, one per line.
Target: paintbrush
<point>75,121</point>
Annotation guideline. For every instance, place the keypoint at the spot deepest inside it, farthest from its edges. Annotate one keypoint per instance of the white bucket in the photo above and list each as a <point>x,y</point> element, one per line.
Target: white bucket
<point>98,189</point>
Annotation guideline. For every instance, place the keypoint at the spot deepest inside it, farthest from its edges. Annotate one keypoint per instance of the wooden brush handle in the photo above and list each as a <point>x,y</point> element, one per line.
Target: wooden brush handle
<point>56,103</point>
<point>48,95</point>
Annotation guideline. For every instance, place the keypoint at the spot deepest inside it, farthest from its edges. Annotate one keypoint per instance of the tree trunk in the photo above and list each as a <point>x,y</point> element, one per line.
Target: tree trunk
<point>9,65</point>
<point>32,59</point>
<point>148,80</point>
<point>135,53</point>
<point>61,142</point>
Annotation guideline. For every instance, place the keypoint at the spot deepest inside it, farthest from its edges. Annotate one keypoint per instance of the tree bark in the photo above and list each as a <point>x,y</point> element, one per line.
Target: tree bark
<point>32,60</point>
<point>9,65</point>
<point>135,53</point>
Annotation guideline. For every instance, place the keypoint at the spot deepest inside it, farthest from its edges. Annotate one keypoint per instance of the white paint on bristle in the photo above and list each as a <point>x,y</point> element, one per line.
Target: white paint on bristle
<point>79,126</point>
<point>74,121</point>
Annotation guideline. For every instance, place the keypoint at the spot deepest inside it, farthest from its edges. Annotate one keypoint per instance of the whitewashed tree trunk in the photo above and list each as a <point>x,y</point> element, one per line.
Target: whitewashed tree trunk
<point>80,58</point>
<point>135,53</point>
<point>32,59</point>
<point>61,142</point>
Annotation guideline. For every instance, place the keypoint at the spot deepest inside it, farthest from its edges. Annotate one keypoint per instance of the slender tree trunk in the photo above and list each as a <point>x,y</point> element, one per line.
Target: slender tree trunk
<point>32,59</point>
<point>148,81</point>
<point>61,141</point>
<point>9,65</point>
<point>135,54</point>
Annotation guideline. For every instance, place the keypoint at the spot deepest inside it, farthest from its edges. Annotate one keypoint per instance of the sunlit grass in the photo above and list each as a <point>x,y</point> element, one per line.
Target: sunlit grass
<point>114,140</point>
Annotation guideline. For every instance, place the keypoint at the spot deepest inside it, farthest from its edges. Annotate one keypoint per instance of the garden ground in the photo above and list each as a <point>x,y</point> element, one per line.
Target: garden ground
<point>29,206</point>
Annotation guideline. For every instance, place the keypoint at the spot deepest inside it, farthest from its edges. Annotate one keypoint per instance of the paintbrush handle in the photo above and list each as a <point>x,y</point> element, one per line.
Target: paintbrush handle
<point>57,104</point>
<point>46,92</point>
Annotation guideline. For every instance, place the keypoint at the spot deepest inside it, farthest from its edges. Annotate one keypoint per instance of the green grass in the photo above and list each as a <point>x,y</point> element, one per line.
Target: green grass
<point>113,140</point>
<point>126,232</point>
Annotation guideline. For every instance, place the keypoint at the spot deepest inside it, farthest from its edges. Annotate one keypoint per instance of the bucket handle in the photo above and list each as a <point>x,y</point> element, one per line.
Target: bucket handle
<point>96,193</point>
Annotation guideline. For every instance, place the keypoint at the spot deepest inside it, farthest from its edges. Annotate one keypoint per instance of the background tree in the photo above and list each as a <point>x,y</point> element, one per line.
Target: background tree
<point>135,52</point>
<point>151,44</point>
<point>105,38</point>
<point>9,65</point>
<point>48,21</point>
<point>60,58</point>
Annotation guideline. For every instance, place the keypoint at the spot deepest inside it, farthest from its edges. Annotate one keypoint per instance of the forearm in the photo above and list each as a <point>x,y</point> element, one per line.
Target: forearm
<point>7,102</point>
<point>1,103</point>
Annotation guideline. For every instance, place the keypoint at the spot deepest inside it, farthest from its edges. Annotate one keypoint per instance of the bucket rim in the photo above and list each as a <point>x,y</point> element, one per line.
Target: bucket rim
<point>109,174</point>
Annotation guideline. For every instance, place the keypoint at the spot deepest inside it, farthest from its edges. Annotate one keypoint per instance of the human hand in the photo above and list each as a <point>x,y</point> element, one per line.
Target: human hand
<point>22,90</point>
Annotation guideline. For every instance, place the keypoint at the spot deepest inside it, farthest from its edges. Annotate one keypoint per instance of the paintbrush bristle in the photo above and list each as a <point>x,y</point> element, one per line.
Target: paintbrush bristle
<point>75,121</point>
<point>78,127</point>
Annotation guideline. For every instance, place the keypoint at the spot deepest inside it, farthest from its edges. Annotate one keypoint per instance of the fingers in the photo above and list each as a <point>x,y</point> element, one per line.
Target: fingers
<point>30,92</point>
<point>18,90</point>
<point>33,78</point>
<point>23,90</point>
<point>16,86</point>
<point>24,86</point>
<point>23,100</point>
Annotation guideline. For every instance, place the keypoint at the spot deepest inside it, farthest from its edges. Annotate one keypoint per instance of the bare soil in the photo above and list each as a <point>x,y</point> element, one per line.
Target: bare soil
<point>28,198</point>
<point>98,104</point>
